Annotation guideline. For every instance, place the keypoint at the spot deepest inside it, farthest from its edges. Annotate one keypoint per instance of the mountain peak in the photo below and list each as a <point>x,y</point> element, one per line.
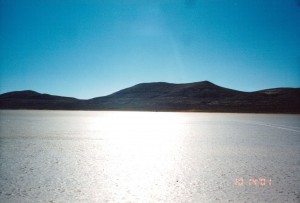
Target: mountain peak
<point>206,82</point>
<point>20,94</point>
<point>162,96</point>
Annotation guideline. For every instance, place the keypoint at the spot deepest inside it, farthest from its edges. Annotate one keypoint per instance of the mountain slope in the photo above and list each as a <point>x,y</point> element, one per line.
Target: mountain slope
<point>199,96</point>
<point>161,96</point>
<point>33,100</point>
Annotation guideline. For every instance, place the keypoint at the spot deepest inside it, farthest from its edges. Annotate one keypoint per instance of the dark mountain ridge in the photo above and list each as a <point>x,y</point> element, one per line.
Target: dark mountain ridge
<point>162,89</point>
<point>33,100</point>
<point>161,96</point>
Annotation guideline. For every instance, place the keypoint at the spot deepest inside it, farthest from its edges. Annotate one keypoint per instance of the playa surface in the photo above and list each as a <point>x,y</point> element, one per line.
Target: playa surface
<point>81,156</point>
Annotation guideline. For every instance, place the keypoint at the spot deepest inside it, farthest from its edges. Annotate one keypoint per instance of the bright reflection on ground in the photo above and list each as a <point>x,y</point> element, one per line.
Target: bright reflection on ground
<point>141,149</point>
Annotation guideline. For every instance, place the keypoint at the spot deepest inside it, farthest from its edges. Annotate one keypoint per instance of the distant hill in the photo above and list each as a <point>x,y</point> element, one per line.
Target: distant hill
<point>160,96</point>
<point>33,100</point>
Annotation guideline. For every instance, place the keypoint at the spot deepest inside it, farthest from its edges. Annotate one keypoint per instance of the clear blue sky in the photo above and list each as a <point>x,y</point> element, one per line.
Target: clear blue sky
<point>89,48</point>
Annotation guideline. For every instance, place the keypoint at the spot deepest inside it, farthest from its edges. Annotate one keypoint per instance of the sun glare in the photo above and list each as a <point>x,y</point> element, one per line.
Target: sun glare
<point>141,148</point>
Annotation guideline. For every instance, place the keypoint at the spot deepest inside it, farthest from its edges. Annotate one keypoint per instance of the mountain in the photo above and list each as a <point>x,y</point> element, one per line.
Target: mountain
<point>33,100</point>
<point>160,96</point>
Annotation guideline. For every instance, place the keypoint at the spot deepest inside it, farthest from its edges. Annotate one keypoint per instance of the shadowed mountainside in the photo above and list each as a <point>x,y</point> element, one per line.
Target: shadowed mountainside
<point>160,96</point>
<point>33,100</point>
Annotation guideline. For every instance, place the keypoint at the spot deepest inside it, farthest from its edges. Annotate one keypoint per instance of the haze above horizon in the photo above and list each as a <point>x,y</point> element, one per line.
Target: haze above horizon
<point>94,48</point>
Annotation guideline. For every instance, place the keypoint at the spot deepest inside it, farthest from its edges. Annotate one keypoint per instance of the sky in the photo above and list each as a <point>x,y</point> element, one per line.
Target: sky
<point>91,48</point>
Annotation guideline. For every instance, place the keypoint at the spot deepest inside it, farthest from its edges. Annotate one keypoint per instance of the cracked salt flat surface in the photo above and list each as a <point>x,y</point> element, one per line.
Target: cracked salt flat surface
<point>61,156</point>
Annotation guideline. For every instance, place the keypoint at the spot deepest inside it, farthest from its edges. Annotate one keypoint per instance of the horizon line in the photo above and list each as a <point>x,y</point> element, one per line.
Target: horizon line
<point>207,81</point>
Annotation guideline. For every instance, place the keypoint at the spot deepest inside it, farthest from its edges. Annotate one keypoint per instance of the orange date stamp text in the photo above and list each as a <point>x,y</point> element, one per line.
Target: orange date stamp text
<point>262,182</point>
